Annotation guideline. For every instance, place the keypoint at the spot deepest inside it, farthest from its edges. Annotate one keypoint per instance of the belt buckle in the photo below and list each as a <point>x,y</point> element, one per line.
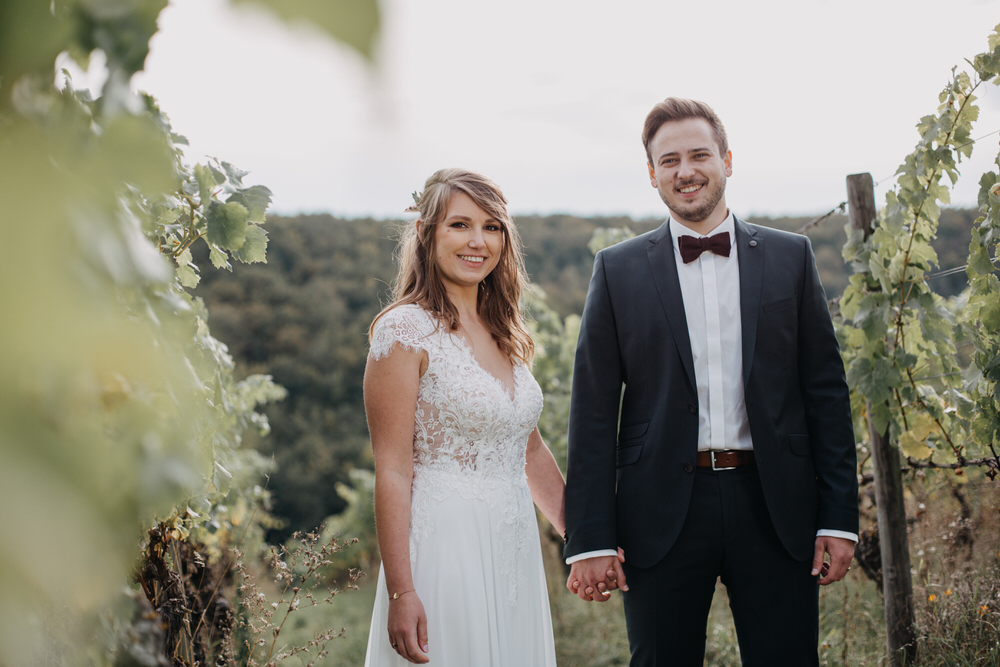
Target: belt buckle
<point>712,456</point>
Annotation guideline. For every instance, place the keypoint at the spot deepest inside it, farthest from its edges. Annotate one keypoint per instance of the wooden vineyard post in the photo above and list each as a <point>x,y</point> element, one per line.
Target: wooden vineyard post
<point>897,584</point>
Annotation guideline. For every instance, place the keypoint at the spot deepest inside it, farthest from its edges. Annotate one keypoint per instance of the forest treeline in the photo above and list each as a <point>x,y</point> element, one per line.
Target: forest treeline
<point>303,318</point>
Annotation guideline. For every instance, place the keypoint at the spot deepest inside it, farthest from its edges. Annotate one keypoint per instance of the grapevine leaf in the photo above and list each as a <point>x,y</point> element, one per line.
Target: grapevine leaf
<point>880,416</point>
<point>222,478</point>
<point>206,183</point>
<point>187,275</point>
<point>354,22</point>
<point>254,248</point>
<point>220,259</point>
<point>256,199</point>
<point>924,256</point>
<point>994,39</point>
<point>168,216</point>
<point>990,315</point>
<point>218,175</point>
<point>184,258</point>
<point>227,224</point>
<point>946,455</point>
<point>987,64</point>
<point>963,404</point>
<point>982,428</point>
<point>912,446</point>
<point>991,364</point>
<point>923,426</point>
<point>873,378</point>
<point>851,298</point>
<point>134,151</point>
<point>986,183</point>
<point>234,174</point>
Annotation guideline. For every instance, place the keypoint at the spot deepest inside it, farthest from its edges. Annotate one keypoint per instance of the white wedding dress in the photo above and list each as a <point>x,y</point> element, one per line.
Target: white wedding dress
<point>474,547</point>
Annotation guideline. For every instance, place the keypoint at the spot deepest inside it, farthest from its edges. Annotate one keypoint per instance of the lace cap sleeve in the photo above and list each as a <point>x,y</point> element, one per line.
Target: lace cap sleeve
<point>407,326</point>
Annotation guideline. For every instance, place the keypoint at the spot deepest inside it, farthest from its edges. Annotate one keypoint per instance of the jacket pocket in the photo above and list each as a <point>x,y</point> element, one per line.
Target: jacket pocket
<point>629,455</point>
<point>632,431</point>
<point>799,444</point>
<point>778,305</point>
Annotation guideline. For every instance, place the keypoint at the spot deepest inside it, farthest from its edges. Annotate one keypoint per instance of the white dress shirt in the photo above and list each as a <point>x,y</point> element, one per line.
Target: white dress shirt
<point>710,289</point>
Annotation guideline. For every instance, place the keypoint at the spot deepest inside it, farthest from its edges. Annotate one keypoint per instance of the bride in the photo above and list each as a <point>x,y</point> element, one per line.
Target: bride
<point>452,408</point>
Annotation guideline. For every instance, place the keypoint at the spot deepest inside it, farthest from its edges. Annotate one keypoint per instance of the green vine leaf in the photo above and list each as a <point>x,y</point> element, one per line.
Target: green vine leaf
<point>205,178</point>
<point>255,199</point>
<point>188,276</point>
<point>222,479</point>
<point>218,258</point>
<point>254,248</point>
<point>227,224</point>
<point>906,364</point>
<point>354,22</point>
<point>913,447</point>
<point>234,175</point>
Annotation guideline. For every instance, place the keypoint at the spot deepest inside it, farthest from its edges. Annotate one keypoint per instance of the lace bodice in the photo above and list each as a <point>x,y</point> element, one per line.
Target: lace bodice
<point>466,421</point>
<point>470,434</point>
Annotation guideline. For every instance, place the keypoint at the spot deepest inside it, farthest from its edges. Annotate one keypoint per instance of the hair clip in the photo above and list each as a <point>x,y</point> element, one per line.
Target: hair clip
<point>415,207</point>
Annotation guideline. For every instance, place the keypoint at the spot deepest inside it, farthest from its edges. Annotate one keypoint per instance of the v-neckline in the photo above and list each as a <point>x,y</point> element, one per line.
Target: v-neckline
<point>510,393</point>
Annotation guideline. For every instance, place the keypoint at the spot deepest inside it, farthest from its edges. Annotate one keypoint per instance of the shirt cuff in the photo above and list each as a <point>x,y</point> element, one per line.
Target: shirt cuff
<point>837,533</point>
<point>595,554</point>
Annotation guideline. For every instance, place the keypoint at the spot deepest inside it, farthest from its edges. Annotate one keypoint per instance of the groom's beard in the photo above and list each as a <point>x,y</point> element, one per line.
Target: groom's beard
<point>696,213</point>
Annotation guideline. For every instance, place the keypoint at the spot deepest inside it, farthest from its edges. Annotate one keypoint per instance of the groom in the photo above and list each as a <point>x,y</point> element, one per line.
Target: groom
<point>710,428</point>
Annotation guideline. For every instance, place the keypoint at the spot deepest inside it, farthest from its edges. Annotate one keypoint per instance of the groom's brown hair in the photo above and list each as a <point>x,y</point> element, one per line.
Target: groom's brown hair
<point>678,108</point>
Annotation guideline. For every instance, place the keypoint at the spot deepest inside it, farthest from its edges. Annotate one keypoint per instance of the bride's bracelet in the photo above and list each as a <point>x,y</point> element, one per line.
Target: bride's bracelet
<point>396,596</point>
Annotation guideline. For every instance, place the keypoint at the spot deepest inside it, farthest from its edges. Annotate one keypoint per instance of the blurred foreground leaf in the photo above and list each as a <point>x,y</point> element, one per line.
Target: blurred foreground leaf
<point>354,22</point>
<point>118,409</point>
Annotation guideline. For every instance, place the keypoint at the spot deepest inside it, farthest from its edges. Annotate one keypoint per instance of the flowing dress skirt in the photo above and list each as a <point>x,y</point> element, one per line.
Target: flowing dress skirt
<point>477,568</point>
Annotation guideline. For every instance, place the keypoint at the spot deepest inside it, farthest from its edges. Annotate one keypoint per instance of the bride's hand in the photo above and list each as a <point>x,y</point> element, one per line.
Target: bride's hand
<point>408,628</point>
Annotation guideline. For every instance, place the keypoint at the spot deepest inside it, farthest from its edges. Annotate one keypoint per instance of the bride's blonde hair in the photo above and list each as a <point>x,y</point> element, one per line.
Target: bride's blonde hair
<point>419,277</point>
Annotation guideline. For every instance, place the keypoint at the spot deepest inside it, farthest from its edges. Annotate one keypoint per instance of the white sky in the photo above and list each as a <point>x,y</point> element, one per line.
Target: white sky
<point>547,97</point>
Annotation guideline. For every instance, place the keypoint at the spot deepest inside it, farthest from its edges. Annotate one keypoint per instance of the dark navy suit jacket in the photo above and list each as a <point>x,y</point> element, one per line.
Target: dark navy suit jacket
<point>633,429</point>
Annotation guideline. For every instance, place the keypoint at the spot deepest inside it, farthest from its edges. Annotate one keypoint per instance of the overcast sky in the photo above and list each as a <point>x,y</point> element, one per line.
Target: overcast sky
<point>548,97</point>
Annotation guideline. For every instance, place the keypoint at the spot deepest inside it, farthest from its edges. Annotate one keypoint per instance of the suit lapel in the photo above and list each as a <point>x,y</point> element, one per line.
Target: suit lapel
<point>750,254</point>
<point>663,265</point>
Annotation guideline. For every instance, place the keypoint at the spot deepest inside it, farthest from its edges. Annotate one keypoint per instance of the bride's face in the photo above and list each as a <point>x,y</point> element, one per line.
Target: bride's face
<point>468,243</point>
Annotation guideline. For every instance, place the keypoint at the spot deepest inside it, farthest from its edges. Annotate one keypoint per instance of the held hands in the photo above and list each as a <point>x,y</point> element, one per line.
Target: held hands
<point>593,579</point>
<point>841,552</point>
<point>408,627</point>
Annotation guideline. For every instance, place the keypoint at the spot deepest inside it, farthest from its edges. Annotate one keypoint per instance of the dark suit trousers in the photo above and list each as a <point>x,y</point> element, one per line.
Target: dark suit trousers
<point>727,533</point>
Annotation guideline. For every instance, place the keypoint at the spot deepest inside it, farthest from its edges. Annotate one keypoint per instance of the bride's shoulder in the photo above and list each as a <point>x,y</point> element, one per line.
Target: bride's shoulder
<point>407,314</point>
<point>408,325</point>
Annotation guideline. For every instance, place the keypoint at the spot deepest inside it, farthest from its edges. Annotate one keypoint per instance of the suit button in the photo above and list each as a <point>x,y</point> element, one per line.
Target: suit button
<point>688,467</point>
<point>693,409</point>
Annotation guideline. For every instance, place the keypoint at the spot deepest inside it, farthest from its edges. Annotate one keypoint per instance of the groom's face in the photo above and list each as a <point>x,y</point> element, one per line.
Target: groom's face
<point>690,171</point>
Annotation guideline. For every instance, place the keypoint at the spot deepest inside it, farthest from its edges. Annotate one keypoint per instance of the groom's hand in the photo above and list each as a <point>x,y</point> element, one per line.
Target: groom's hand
<point>841,552</point>
<point>593,579</point>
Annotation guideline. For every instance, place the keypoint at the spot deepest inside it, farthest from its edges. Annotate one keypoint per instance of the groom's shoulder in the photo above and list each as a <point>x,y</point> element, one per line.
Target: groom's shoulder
<point>629,248</point>
<point>776,236</point>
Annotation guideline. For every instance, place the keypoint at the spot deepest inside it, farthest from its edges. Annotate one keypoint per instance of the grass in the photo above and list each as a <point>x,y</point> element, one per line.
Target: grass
<point>350,611</point>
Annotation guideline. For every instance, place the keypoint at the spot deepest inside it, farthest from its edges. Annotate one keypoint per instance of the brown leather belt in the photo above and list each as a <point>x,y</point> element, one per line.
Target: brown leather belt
<point>725,459</point>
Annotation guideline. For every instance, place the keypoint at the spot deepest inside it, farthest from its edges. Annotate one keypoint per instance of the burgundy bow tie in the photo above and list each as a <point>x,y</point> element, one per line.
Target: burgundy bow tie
<point>692,246</point>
